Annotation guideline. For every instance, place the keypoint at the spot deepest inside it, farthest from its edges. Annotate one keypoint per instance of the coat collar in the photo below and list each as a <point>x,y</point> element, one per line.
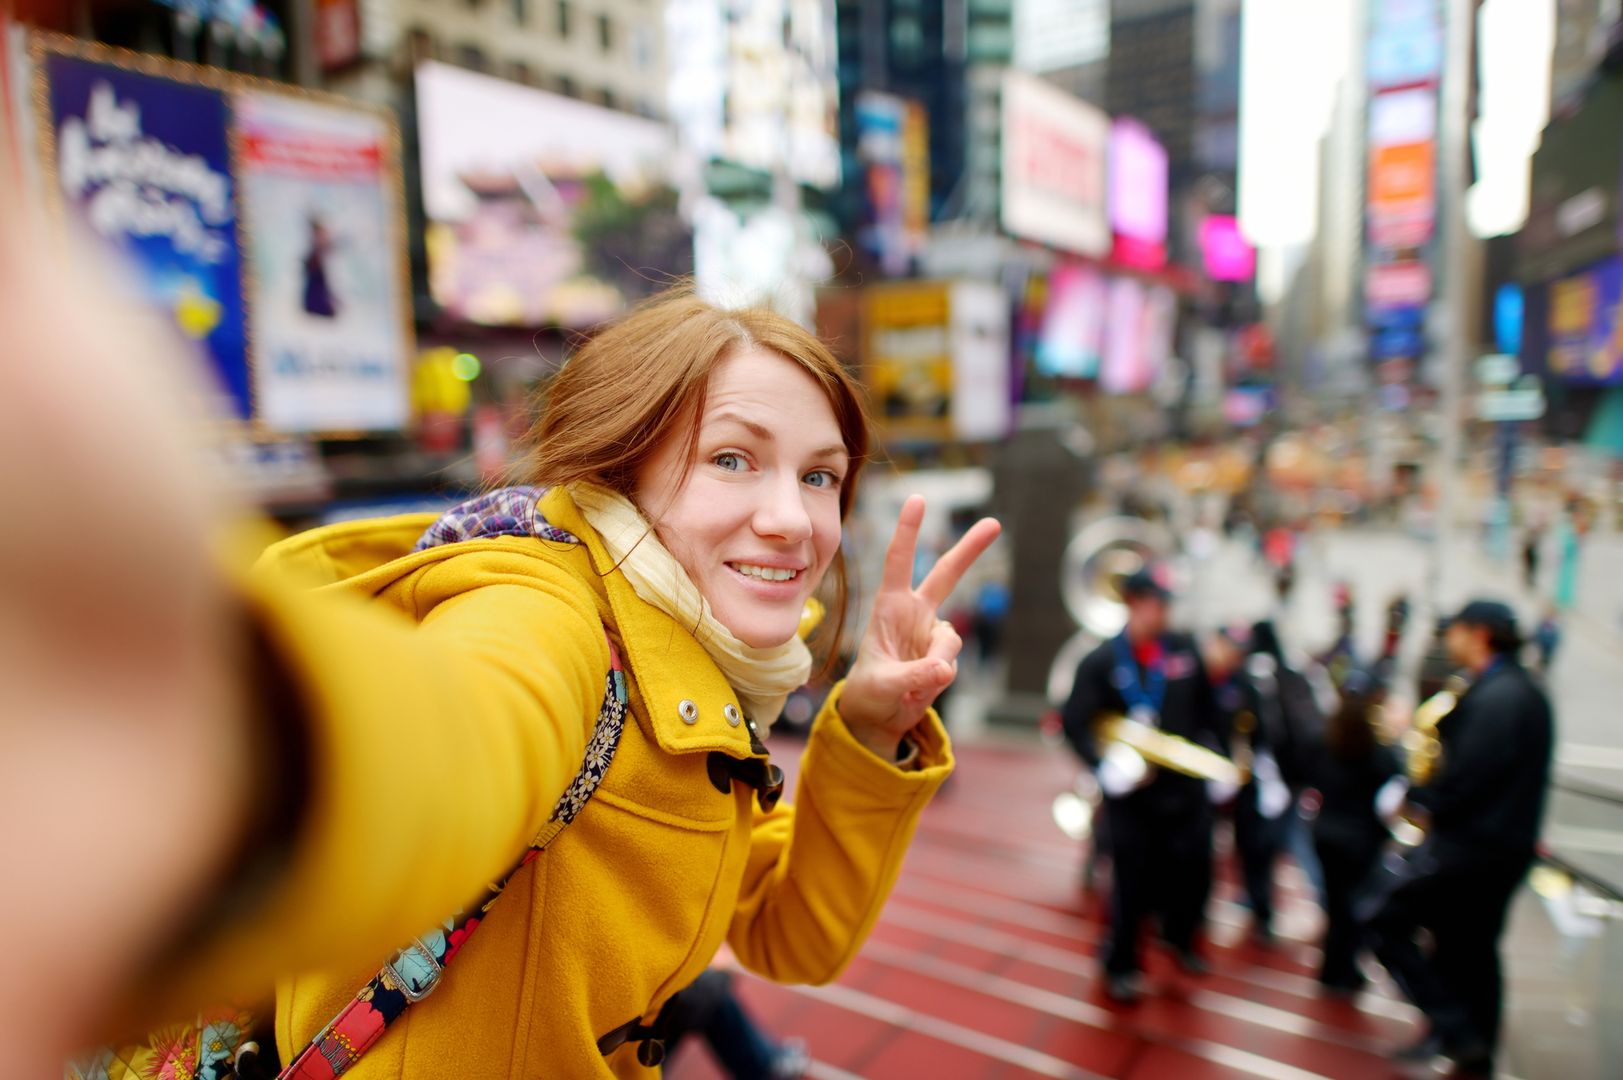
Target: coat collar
<point>672,671</point>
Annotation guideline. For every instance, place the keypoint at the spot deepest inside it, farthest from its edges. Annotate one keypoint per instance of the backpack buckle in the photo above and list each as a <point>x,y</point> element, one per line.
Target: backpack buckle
<point>416,970</point>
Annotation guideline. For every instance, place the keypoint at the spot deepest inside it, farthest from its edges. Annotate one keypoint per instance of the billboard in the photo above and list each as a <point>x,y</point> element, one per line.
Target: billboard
<point>1071,338</point>
<point>1401,203</point>
<point>893,145</point>
<point>936,360</point>
<point>1139,324</point>
<point>1405,43</point>
<point>330,329</point>
<point>1054,167</point>
<point>265,222</point>
<point>1137,196</point>
<point>145,162</point>
<point>1585,325</point>
<point>542,210</point>
<point>1224,251</point>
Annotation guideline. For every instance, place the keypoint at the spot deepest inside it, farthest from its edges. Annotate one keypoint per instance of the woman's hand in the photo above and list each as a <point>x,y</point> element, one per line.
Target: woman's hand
<point>908,655</point>
<point>119,756</point>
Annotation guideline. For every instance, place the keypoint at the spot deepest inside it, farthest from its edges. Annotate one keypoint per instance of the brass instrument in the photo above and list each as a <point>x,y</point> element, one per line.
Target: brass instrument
<point>1422,749</point>
<point>1096,562</point>
<point>1423,752</point>
<point>1167,751</point>
<point>1242,752</point>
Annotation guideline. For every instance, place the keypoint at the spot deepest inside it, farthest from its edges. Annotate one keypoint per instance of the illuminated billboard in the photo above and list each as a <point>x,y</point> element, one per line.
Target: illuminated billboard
<point>542,210</point>
<point>1054,179</point>
<point>1138,196</point>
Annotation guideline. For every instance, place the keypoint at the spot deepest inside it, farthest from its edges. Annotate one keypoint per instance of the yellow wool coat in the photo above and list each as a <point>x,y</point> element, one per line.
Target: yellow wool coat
<point>447,712</point>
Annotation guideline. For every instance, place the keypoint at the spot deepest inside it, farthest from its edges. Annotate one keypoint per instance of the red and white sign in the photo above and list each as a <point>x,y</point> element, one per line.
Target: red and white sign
<point>1397,284</point>
<point>1054,149</point>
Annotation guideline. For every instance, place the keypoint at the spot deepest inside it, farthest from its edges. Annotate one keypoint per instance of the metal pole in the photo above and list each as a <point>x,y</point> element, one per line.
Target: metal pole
<point>1453,130</point>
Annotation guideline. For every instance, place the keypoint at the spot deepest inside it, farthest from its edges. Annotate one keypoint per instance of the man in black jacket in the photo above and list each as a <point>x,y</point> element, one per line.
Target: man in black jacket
<point>1159,822</point>
<point>1483,808</point>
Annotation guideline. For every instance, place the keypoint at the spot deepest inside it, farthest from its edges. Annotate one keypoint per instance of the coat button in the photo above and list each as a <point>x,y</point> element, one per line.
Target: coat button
<point>688,711</point>
<point>734,717</point>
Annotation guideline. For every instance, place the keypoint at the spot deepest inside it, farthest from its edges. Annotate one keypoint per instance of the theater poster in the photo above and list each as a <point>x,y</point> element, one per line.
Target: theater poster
<point>144,162</point>
<point>263,220</point>
<point>328,330</point>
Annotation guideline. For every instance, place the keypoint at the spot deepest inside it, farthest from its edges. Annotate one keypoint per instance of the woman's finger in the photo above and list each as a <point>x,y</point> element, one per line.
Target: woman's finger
<point>951,567</point>
<point>903,544</point>
<point>945,643</point>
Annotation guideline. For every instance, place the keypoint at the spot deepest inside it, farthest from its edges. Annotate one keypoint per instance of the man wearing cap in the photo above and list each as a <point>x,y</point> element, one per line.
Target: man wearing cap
<point>1482,809</point>
<point>1159,823</point>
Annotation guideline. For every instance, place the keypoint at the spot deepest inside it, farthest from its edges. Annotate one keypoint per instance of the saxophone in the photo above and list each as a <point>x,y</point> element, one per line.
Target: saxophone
<point>1423,750</point>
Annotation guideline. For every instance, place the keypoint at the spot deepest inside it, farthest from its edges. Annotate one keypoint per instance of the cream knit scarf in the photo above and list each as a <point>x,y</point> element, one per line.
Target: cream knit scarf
<point>762,678</point>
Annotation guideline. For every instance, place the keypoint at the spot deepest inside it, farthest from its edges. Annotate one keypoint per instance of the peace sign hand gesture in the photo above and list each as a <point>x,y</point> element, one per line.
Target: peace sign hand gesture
<point>908,655</point>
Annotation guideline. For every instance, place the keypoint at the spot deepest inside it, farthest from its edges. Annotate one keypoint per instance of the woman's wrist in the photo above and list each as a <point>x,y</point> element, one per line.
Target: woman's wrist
<point>884,745</point>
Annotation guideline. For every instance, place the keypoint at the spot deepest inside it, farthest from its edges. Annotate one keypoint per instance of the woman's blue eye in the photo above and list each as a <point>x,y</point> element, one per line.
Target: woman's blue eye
<point>822,478</point>
<point>730,462</point>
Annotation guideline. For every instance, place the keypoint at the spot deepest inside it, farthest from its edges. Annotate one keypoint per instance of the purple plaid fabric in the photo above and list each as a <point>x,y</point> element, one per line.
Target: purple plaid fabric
<point>504,512</point>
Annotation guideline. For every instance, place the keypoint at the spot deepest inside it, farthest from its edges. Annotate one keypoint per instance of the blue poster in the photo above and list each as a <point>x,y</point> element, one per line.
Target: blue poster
<point>146,163</point>
<point>1584,324</point>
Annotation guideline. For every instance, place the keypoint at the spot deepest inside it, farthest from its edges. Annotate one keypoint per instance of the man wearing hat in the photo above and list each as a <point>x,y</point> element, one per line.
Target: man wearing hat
<point>1482,810</point>
<point>1159,822</point>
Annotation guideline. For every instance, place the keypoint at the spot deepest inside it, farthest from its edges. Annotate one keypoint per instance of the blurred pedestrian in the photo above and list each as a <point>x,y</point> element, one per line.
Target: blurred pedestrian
<point>1481,814</point>
<point>1531,540</point>
<point>710,1009</point>
<point>1160,822</point>
<point>1285,717</point>
<point>1569,536</point>
<point>1547,638</point>
<point>1350,769</point>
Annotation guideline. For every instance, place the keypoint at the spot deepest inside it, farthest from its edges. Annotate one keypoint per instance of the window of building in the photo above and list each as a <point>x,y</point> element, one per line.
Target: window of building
<point>605,33</point>
<point>521,11</point>
<point>564,17</point>
<point>420,45</point>
<point>472,57</point>
<point>609,99</point>
<point>521,72</point>
<point>567,86</point>
<point>642,46</point>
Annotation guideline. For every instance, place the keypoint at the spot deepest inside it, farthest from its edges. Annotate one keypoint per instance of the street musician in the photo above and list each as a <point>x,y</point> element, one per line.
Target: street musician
<point>1481,803</point>
<point>1158,819</point>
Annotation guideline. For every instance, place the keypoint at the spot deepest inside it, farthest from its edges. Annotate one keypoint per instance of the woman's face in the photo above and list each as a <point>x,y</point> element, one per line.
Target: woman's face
<point>757,520</point>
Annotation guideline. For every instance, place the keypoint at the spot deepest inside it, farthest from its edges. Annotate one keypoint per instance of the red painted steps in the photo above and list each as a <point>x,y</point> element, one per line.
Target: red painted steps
<point>982,967</point>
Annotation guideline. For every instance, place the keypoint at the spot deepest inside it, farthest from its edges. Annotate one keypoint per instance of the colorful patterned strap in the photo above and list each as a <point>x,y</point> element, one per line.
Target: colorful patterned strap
<point>416,970</point>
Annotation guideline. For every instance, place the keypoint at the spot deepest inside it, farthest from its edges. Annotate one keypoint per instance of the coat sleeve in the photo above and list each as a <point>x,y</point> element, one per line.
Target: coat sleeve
<point>820,871</point>
<point>1084,705</point>
<point>437,747</point>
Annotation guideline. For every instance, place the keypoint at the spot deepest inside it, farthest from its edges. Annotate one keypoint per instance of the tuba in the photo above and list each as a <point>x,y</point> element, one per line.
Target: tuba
<point>1096,562</point>
<point>1160,749</point>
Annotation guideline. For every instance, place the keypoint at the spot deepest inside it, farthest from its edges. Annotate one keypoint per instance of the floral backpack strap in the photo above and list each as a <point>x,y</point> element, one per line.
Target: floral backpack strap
<point>414,971</point>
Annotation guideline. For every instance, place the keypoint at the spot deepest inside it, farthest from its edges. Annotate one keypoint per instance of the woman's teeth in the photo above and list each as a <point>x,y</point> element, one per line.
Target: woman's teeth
<point>764,573</point>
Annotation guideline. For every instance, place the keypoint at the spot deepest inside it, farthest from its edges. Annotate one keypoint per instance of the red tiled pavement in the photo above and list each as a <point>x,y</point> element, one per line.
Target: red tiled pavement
<point>983,967</point>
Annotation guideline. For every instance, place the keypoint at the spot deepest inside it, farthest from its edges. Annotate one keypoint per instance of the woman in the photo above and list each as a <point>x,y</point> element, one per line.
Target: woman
<point>1349,768</point>
<point>341,766</point>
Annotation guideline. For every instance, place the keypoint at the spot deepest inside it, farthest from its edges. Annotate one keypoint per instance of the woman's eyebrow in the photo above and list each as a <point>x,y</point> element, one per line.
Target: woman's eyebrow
<point>765,434</point>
